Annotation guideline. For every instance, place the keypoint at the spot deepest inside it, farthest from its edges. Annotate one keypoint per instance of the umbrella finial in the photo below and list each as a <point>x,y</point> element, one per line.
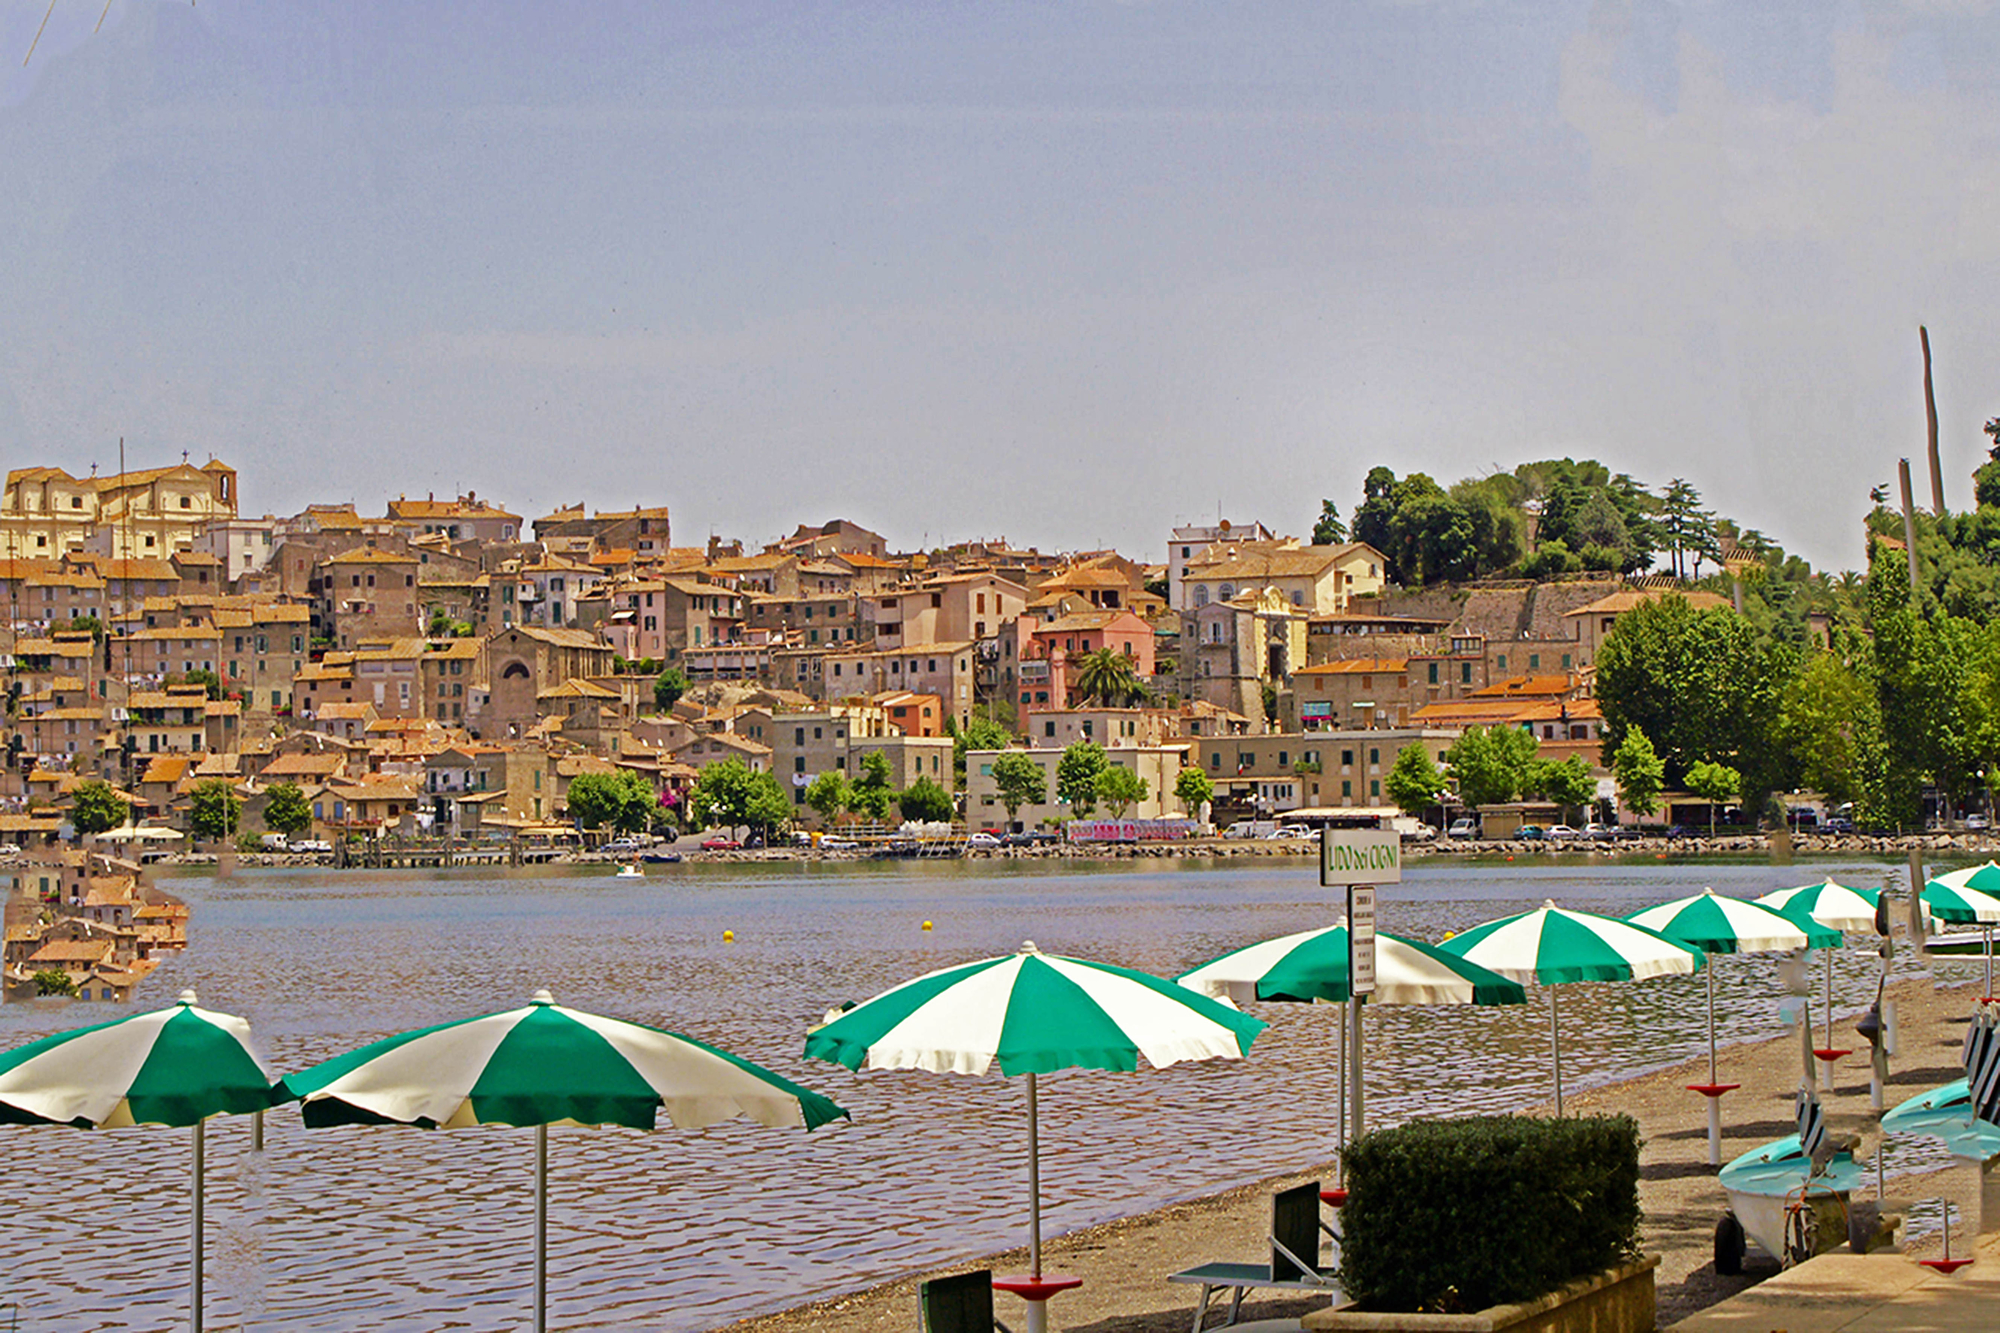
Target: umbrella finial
<point>188,997</point>
<point>1028,946</point>
<point>542,996</point>
<point>1549,905</point>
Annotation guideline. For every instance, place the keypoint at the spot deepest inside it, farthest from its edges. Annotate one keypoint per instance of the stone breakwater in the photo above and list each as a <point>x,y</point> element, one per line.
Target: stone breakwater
<point>1969,845</point>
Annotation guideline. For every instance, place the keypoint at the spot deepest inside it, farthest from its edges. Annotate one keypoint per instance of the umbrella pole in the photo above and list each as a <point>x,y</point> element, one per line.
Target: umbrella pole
<point>1340,1077</point>
<point>1712,1080</point>
<point>1556,1049</point>
<point>1989,962</point>
<point>1034,1185</point>
<point>194,1274</point>
<point>541,1227</point>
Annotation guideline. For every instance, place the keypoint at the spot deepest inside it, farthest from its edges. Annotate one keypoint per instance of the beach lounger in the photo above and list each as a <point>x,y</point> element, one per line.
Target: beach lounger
<point>962,1303</point>
<point>1294,1266</point>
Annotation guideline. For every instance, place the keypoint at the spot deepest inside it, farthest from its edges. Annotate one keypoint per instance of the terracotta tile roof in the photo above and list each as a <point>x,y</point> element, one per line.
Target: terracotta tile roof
<point>1620,602</point>
<point>1357,666</point>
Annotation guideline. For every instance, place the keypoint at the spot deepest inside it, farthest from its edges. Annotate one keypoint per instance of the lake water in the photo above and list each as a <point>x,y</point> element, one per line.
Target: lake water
<point>406,1229</point>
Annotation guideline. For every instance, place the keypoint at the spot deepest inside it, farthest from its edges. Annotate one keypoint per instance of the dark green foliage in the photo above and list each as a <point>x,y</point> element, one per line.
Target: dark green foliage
<point>669,688</point>
<point>1456,1215</point>
<point>925,802</point>
<point>1329,530</point>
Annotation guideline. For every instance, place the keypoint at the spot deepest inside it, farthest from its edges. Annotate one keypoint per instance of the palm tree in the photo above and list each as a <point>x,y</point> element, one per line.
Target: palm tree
<point>1109,677</point>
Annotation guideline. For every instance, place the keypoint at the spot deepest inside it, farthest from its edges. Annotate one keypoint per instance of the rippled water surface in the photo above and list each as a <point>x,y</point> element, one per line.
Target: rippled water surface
<point>407,1229</point>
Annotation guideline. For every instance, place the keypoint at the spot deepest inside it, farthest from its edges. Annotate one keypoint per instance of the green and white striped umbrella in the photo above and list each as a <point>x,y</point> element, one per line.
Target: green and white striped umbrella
<point>1312,965</point>
<point>1828,903</point>
<point>1553,946</point>
<point>1969,895</point>
<point>1033,1013</point>
<point>175,1066</point>
<point>1715,924</point>
<point>544,1065</point>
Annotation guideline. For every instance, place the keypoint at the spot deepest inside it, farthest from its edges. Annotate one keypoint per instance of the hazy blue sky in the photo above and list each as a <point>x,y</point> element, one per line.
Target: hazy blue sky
<point>1067,273</point>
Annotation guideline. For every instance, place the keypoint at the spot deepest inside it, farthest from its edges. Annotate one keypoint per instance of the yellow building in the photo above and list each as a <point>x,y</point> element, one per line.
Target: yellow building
<point>46,513</point>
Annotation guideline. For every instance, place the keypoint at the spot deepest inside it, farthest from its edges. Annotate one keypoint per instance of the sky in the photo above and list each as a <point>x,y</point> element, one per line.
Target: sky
<point>1064,273</point>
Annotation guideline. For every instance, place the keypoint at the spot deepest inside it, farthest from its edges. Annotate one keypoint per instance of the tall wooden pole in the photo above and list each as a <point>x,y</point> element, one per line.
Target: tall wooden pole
<point>1930,417</point>
<point>1909,527</point>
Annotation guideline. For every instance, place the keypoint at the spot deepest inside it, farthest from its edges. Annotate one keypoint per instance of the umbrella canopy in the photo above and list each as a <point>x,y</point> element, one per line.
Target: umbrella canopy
<point>544,1065</point>
<point>1312,965</point>
<point>1828,903</point>
<point>1715,924</point>
<point>140,833</point>
<point>176,1066</point>
<point>1962,901</point>
<point>1033,1013</point>
<point>1553,946</point>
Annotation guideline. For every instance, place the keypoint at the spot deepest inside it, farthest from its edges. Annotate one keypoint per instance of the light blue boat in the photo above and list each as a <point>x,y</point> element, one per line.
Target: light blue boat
<point>1945,1113</point>
<point>1765,1182</point>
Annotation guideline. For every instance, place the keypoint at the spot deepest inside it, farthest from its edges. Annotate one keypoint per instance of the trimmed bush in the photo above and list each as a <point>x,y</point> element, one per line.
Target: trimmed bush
<point>1449,1216</point>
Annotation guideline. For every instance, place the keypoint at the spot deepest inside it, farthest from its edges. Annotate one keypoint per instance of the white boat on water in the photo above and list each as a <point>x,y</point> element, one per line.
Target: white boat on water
<point>631,871</point>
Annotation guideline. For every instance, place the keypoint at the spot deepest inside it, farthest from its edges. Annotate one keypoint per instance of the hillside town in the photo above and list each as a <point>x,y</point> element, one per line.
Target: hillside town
<point>450,667</point>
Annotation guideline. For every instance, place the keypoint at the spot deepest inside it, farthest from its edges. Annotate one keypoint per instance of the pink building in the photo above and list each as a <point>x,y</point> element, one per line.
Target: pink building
<point>1063,642</point>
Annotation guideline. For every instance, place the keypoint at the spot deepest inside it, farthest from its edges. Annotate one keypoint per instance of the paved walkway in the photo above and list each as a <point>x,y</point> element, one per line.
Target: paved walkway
<point>1852,1293</point>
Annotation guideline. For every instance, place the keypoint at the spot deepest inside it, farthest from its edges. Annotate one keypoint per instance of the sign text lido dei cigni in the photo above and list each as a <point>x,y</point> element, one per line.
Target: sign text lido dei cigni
<point>1360,856</point>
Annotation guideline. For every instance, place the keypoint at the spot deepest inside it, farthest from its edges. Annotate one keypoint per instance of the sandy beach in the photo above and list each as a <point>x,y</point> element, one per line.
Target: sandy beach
<point>1124,1263</point>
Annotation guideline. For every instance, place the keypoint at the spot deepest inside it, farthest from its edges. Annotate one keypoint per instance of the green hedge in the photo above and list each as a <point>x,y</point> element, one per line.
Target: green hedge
<point>1456,1215</point>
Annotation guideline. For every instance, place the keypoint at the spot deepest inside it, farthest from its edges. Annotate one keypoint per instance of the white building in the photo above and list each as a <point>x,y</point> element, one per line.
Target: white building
<point>1187,544</point>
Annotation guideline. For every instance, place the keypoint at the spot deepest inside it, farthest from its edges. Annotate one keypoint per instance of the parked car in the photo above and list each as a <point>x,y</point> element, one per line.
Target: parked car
<point>1560,833</point>
<point>1463,828</point>
<point>1678,831</point>
<point>837,844</point>
<point>1838,824</point>
<point>1977,823</point>
<point>983,842</point>
<point>1601,832</point>
<point>1030,838</point>
<point>627,846</point>
<point>1291,831</point>
<point>310,846</point>
<point>1418,832</point>
<point>1528,833</point>
<point>721,845</point>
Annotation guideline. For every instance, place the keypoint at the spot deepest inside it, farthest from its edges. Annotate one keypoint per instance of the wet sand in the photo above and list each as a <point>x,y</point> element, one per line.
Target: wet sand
<point>1124,1263</point>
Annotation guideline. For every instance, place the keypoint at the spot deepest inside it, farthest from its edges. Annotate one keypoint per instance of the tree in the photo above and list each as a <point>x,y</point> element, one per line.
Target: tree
<point>1120,789</point>
<point>1414,781</point>
<point>96,807</point>
<point>54,981</point>
<point>286,811</point>
<point>622,800</point>
<point>1640,774</point>
<point>1329,530</point>
<point>1193,789</point>
<point>1714,783</point>
<point>1702,684</point>
<point>979,733</point>
<point>217,809</point>
<point>829,796</point>
<point>925,802</point>
<point>728,794</point>
<point>1490,764</point>
<point>872,793</point>
<point>1687,528</point>
<point>1567,782</point>
<point>205,678</point>
<point>1020,781</point>
<point>1076,776</point>
<point>768,808</point>
<point>1828,719</point>
<point>668,689</point>
<point>1109,677</point>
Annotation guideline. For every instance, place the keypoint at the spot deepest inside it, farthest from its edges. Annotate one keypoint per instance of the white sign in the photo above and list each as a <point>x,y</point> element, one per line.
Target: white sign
<point>1359,856</point>
<point>1361,939</point>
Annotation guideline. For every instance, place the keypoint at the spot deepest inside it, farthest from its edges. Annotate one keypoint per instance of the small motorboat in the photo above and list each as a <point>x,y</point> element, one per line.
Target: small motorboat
<point>662,858</point>
<point>1777,1200</point>
<point>631,871</point>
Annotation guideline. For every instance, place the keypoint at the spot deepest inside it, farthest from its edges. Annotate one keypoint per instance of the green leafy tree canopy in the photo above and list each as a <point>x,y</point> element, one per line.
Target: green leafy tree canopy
<point>286,810</point>
<point>1076,776</point>
<point>97,807</point>
<point>1414,782</point>
<point>1020,781</point>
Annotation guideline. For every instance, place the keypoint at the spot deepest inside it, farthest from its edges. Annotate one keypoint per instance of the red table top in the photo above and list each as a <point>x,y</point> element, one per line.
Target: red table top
<point>1830,1054</point>
<point>1713,1089</point>
<point>1031,1288</point>
<point>1336,1198</point>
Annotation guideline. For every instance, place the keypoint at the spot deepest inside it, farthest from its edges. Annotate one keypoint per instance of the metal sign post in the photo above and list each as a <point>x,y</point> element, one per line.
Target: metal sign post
<point>1358,859</point>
